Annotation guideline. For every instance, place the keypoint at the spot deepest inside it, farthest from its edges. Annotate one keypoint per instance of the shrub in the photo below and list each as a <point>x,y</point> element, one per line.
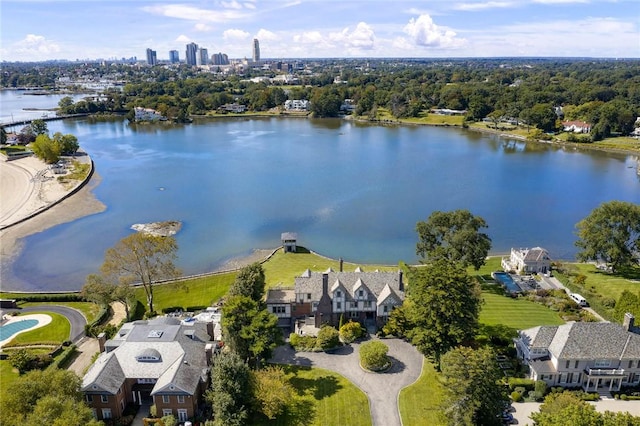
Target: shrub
<point>169,420</point>
<point>302,343</point>
<point>351,331</point>
<point>515,382</point>
<point>540,388</point>
<point>328,338</point>
<point>373,355</point>
<point>516,396</point>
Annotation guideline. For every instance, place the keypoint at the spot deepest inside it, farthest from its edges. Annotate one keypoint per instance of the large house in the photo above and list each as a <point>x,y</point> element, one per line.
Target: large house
<point>163,361</point>
<point>576,126</point>
<point>527,261</point>
<point>147,114</point>
<point>597,357</point>
<point>326,297</point>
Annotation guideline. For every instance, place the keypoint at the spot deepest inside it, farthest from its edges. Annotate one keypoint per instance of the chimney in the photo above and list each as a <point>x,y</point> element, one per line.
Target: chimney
<point>400,283</point>
<point>325,284</point>
<point>208,350</point>
<point>341,262</point>
<point>628,322</point>
<point>102,339</point>
<point>210,329</point>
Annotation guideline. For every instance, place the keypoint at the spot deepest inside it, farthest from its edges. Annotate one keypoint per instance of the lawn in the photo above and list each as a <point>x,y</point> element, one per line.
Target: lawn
<point>56,332</point>
<point>7,376</point>
<point>282,268</point>
<point>323,398</point>
<point>518,314</point>
<point>419,403</point>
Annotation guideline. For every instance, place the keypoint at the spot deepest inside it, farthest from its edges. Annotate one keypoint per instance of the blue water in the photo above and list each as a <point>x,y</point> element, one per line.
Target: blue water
<point>349,190</point>
<point>506,280</point>
<point>9,330</point>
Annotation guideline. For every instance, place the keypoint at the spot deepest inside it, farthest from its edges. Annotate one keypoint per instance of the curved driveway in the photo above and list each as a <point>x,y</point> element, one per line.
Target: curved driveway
<point>75,317</point>
<point>382,389</point>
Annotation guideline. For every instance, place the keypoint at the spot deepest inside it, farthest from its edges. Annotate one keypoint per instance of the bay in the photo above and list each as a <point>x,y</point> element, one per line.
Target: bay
<point>348,189</point>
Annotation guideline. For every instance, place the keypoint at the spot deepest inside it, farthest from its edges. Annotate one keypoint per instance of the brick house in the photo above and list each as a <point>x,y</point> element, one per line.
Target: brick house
<point>162,361</point>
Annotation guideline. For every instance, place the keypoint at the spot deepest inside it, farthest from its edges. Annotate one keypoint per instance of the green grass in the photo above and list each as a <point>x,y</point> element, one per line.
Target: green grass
<point>7,377</point>
<point>323,398</point>
<point>282,268</point>
<point>420,403</point>
<point>607,284</point>
<point>515,313</point>
<point>435,119</point>
<point>56,332</point>
<point>189,293</point>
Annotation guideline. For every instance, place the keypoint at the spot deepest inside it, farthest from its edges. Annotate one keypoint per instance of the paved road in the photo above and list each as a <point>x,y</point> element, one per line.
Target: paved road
<point>382,389</point>
<point>76,319</point>
<point>554,283</point>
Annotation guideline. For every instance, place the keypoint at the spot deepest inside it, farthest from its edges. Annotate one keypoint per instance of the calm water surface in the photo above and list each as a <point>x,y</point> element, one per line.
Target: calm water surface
<point>347,189</point>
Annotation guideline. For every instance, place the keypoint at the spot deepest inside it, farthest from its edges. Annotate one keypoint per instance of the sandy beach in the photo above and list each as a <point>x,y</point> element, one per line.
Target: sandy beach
<point>29,189</point>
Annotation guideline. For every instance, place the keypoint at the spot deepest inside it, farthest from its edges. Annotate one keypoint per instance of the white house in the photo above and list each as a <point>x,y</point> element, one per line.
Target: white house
<point>296,105</point>
<point>147,114</point>
<point>593,356</point>
<point>576,126</point>
<point>527,261</point>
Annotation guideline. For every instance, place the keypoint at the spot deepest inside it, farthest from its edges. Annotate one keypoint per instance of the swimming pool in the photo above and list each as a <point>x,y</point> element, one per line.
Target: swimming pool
<point>506,280</point>
<point>12,328</point>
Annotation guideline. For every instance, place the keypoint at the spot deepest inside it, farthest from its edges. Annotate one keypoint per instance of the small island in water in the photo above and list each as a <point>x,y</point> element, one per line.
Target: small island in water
<point>160,229</point>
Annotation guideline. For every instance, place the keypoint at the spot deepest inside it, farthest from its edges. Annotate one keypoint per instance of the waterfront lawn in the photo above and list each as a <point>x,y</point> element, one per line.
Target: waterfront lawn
<point>605,283</point>
<point>420,403</point>
<point>323,398</point>
<point>191,293</point>
<point>282,268</point>
<point>56,332</point>
<point>517,314</point>
<point>435,119</point>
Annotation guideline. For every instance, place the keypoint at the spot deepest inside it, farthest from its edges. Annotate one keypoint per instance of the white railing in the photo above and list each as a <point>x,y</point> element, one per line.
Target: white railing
<point>605,371</point>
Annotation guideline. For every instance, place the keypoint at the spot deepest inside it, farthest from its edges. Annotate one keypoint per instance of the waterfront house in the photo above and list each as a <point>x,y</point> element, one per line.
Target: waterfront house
<point>147,114</point>
<point>597,357</point>
<point>163,361</point>
<point>296,105</point>
<point>576,126</point>
<point>527,261</point>
<point>325,297</point>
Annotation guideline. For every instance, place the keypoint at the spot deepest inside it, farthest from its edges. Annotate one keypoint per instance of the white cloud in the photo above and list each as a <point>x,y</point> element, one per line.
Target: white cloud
<point>308,37</point>
<point>362,37</point>
<point>183,39</point>
<point>231,4</point>
<point>202,27</point>
<point>36,45</point>
<point>424,32</point>
<point>266,35</point>
<point>190,13</point>
<point>560,1</point>
<point>234,34</point>
<point>483,6</point>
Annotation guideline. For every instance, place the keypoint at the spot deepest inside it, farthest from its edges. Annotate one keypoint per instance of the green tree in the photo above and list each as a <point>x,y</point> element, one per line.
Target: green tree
<point>68,143</point>
<point>249,282</point>
<point>326,102</point>
<point>271,391</point>
<point>97,290</point>
<point>543,116</point>
<point>328,338</point>
<point>444,307</point>
<point>39,127</point>
<point>46,149</point>
<point>474,394</point>
<point>373,355</point>
<point>627,302</point>
<point>3,136</point>
<point>50,396</point>
<point>611,234</point>
<point>454,236</point>
<point>65,105</point>
<point>351,331</point>
<point>564,408</point>
<point>141,258</point>
<point>230,391</point>
<point>249,329</point>
<point>21,360</point>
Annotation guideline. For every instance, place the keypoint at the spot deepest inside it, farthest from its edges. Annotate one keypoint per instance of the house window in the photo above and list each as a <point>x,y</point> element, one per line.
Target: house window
<point>106,413</point>
<point>602,363</point>
<point>338,305</point>
<point>385,309</point>
<point>570,378</point>
<point>165,399</point>
<point>278,309</point>
<point>354,314</point>
<point>630,364</point>
<point>104,398</point>
<point>308,296</point>
<point>367,303</point>
<point>354,305</point>
<point>338,293</point>
<point>567,364</point>
<point>95,413</point>
<point>361,293</point>
<point>182,415</point>
<point>167,412</point>
<point>576,364</point>
<point>89,398</point>
<point>180,399</point>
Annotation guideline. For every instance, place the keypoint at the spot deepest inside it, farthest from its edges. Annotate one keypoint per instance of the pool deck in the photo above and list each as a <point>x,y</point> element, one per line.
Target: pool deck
<point>41,318</point>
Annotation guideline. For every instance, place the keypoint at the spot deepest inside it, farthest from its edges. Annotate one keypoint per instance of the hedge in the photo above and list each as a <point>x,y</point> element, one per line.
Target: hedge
<point>64,358</point>
<point>66,297</point>
<point>515,382</point>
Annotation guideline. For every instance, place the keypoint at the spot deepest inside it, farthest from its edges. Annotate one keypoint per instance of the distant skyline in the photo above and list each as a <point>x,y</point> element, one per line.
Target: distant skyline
<point>38,30</point>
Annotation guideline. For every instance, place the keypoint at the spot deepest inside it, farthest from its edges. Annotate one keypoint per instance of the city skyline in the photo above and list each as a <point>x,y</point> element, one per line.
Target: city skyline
<point>76,29</point>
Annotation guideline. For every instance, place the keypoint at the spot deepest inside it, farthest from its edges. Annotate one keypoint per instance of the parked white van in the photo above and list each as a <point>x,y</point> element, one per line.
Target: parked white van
<point>581,301</point>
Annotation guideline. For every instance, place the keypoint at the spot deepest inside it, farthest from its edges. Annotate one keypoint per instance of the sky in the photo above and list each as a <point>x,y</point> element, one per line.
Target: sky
<point>38,30</point>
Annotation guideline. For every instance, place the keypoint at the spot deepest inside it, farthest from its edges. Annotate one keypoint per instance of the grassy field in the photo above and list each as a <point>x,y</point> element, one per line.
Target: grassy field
<point>515,313</point>
<point>324,398</point>
<point>419,403</point>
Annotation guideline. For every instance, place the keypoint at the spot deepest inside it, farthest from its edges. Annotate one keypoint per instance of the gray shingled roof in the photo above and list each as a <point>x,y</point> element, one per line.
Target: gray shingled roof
<point>280,295</point>
<point>585,340</point>
<point>181,349</point>
<point>311,282</point>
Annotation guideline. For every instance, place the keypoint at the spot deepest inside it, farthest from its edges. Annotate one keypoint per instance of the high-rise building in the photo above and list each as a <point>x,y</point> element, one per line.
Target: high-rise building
<point>192,54</point>
<point>174,57</point>
<point>219,59</point>
<point>152,58</point>
<point>256,50</point>
<point>203,56</point>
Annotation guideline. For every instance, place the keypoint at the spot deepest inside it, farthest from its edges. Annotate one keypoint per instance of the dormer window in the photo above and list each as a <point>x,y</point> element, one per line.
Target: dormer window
<point>338,293</point>
<point>360,293</point>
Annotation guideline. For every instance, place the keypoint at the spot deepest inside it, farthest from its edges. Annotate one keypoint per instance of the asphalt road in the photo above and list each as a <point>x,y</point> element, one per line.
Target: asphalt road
<point>382,389</point>
<point>76,319</point>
